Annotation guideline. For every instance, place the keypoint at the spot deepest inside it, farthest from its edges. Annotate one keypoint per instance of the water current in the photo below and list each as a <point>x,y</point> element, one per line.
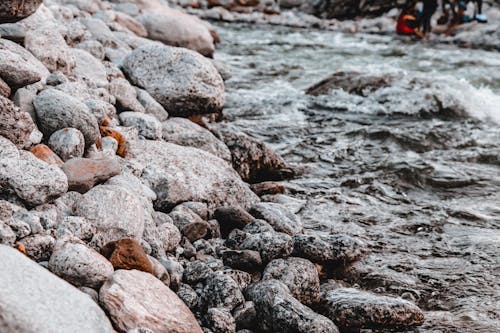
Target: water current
<point>411,168</point>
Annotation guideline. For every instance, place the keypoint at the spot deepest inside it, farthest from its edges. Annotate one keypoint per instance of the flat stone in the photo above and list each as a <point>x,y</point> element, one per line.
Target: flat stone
<point>44,153</point>
<point>85,173</point>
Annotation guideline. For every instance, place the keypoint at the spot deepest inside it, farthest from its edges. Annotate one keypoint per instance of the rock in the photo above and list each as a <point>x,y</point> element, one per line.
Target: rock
<point>188,295</point>
<point>78,264</point>
<point>162,238</point>
<point>127,254</point>
<point>13,31</point>
<point>19,67</point>
<point>32,180</point>
<point>177,29</point>
<point>179,174</point>
<point>93,47</point>
<point>67,143</point>
<point>4,89</point>
<point>331,248</point>
<point>221,291</point>
<point>136,299</point>
<point>351,82</point>
<point>116,213</point>
<point>18,226</point>
<point>230,218</point>
<point>200,91</point>
<point>268,188</point>
<point>246,260</point>
<point>44,153</point>
<point>257,227</point>
<point>15,10</point>
<point>270,245</point>
<point>184,132</point>
<point>7,235</point>
<point>24,304</point>
<point>299,275</point>
<point>354,309</point>
<point>148,126</point>
<point>253,160</point>
<point>190,224</point>
<point>196,271</point>
<point>278,216</point>
<point>23,98</point>
<point>38,247</point>
<point>88,69</point>
<point>56,78</point>
<point>278,311</point>
<point>174,269</point>
<point>48,46</point>
<point>76,226</point>
<point>220,320</point>
<point>15,124</point>
<point>151,106</point>
<point>245,316</point>
<point>85,173</point>
<point>8,149</point>
<point>126,95</point>
<point>56,110</point>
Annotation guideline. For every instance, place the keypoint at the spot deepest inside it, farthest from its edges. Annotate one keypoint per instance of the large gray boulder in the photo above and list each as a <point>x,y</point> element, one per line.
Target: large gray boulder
<point>89,69</point>
<point>137,299</point>
<point>15,10</point>
<point>32,180</point>
<point>182,81</point>
<point>116,213</point>
<point>33,300</point>
<point>15,124</point>
<point>178,174</point>
<point>57,110</point>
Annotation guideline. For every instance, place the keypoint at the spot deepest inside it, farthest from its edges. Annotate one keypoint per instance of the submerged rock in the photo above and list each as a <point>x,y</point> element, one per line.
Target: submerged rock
<point>34,294</point>
<point>200,91</point>
<point>137,299</point>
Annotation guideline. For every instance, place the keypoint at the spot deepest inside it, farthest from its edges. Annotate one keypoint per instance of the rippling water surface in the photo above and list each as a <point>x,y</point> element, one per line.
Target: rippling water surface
<point>413,169</point>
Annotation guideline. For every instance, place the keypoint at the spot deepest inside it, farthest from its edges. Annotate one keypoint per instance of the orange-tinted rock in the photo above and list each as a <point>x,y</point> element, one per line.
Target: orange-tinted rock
<point>127,254</point>
<point>122,142</point>
<point>85,173</point>
<point>46,154</point>
<point>268,188</point>
<point>4,88</point>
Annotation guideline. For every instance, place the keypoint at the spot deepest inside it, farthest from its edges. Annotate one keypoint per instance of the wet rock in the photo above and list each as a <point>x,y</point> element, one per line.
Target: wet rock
<point>136,299</point>
<point>44,153</point>
<point>245,316</point>
<point>270,245</point>
<point>331,248</point>
<point>88,69</point>
<point>221,291</point>
<point>230,218</point>
<point>15,125</point>
<point>268,188</point>
<point>76,226</point>
<point>116,213</point>
<point>201,91</point>
<point>179,174</point>
<point>188,295</point>
<point>184,132</point>
<point>299,275</point>
<point>38,247</point>
<point>85,173</point>
<point>246,260</point>
<point>351,82</point>
<point>278,216</point>
<point>278,311</point>
<point>127,254</point>
<point>19,67</point>
<point>189,223</point>
<point>56,110</point>
<point>220,320</point>
<point>30,286</point>
<point>31,179</point>
<point>78,264</point>
<point>148,126</point>
<point>177,29</point>
<point>257,227</point>
<point>67,143</point>
<point>196,271</point>
<point>253,160</point>
<point>151,106</point>
<point>126,95</point>
<point>351,308</point>
<point>7,235</point>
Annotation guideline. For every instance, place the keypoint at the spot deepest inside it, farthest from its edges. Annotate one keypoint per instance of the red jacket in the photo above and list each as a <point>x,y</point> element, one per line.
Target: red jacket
<point>402,27</point>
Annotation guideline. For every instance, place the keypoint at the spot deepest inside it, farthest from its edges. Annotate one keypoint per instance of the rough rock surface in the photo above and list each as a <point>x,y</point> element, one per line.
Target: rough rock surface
<point>351,308</point>
<point>137,299</point>
<point>44,153</point>
<point>331,248</point>
<point>67,143</point>
<point>270,245</point>
<point>34,294</point>
<point>116,212</point>
<point>221,291</point>
<point>85,173</point>
<point>179,174</point>
<point>148,126</point>
<point>127,254</point>
<point>220,320</point>
<point>278,216</point>
<point>15,10</point>
<point>230,218</point>
<point>201,90</point>
<point>15,124</point>
<point>78,264</point>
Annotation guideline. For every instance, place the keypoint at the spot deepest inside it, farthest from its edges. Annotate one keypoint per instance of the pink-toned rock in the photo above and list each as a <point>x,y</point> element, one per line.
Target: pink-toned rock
<point>85,173</point>
<point>45,154</point>
<point>15,125</point>
<point>15,10</point>
<point>137,299</point>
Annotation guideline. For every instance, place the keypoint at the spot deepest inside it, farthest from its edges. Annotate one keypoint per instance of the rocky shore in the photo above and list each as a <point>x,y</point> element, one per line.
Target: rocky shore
<point>125,208</point>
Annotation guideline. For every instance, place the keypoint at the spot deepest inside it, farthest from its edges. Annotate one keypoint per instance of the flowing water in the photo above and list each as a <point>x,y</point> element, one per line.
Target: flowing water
<point>411,168</point>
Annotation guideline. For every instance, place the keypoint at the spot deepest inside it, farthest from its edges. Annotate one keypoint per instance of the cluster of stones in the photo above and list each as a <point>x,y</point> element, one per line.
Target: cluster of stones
<point>118,212</point>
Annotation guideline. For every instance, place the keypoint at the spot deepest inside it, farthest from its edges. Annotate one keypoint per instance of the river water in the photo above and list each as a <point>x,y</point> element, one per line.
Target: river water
<point>412,169</point>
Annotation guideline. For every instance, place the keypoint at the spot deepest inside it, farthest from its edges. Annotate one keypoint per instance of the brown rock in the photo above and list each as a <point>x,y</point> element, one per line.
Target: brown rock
<point>15,10</point>
<point>230,218</point>
<point>15,125</point>
<point>45,154</point>
<point>4,89</point>
<point>85,173</point>
<point>127,254</point>
<point>268,188</point>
